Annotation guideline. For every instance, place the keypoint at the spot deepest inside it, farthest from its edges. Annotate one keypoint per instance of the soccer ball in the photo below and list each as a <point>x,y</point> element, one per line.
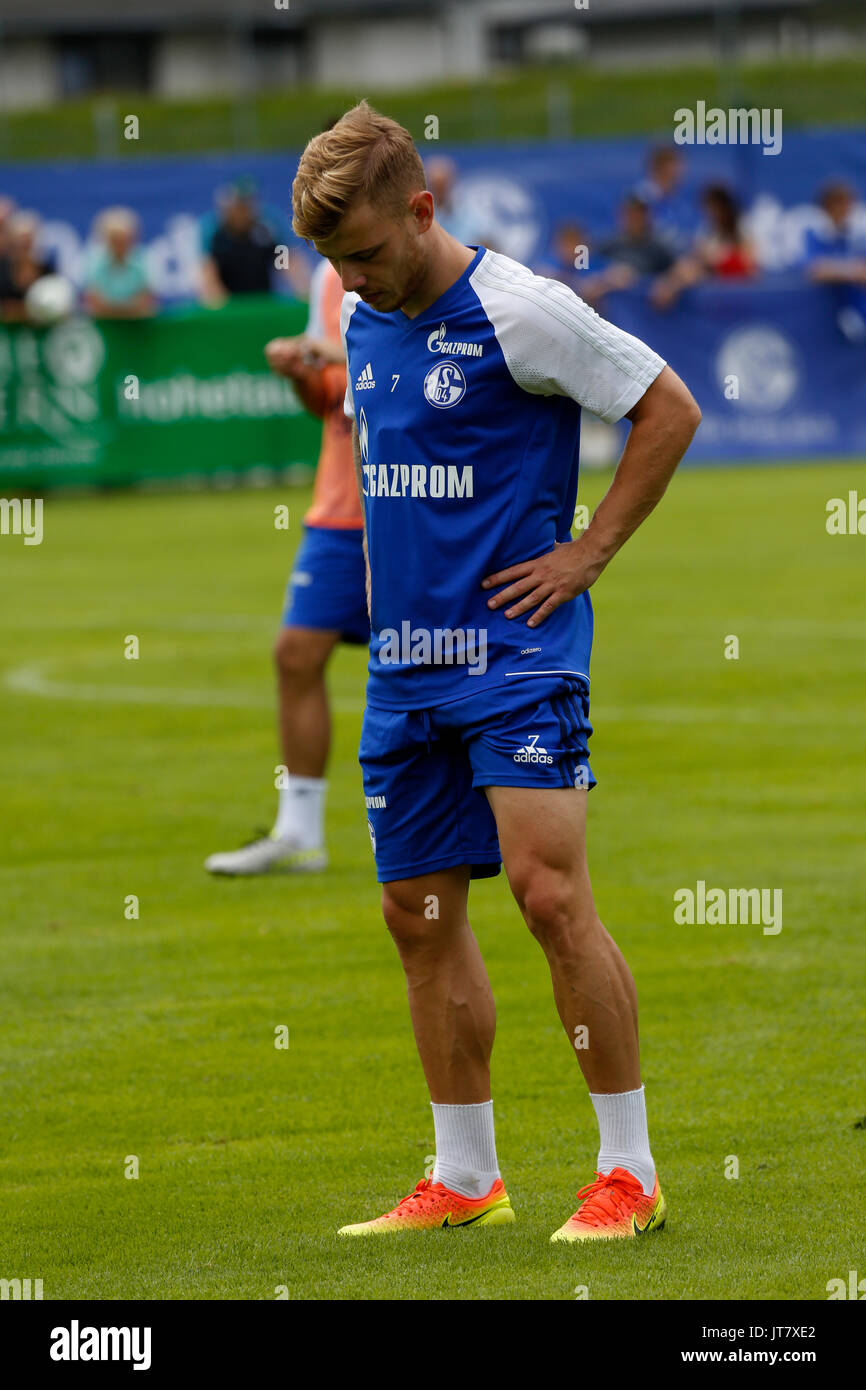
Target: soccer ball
<point>50,299</point>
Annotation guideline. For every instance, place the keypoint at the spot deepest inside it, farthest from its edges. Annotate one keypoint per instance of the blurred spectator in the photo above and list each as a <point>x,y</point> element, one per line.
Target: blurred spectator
<point>21,264</point>
<point>452,214</point>
<point>7,208</point>
<point>441,179</point>
<point>240,246</point>
<point>721,249</point>
<point>570,245</point>
<point>663,190</point>
<point>115,278</point>
<point>836,257</point>
<point>636,252</point>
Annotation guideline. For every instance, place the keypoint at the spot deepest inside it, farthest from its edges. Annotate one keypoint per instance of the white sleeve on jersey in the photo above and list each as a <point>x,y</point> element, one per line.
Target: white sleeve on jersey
<point>314,308</point>
<point>556,345</point>
<point>347,309</point>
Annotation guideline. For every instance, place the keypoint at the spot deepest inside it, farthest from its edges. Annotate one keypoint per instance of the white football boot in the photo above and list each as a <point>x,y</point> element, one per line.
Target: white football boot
<point>266,855</point>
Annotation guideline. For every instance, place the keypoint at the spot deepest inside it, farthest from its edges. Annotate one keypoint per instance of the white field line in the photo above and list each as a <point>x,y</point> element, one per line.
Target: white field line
<point>108,621</point>
<point>33,680</point>
<point>97,620</point>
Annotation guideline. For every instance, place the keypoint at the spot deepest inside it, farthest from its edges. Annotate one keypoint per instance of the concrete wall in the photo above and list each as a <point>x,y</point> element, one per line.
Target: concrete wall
<point>29,76</point>
<point>190,65</point>
<point>326,42</point>
<point>377,52</point>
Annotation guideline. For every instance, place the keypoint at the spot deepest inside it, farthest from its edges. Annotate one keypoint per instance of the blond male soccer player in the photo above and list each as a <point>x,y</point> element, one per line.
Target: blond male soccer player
<point>466,376</point>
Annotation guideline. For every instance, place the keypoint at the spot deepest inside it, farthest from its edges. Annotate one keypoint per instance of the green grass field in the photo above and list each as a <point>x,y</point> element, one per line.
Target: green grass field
<point>154,1037</point>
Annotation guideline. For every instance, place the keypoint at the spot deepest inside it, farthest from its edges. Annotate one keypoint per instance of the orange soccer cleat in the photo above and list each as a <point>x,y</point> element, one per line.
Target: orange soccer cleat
<point>614,1207</point>
<point>432,1206</point>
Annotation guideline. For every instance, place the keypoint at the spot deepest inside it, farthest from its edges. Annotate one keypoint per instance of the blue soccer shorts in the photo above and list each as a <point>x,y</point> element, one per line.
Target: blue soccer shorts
<point>424,770</point>
<point>327,586</point>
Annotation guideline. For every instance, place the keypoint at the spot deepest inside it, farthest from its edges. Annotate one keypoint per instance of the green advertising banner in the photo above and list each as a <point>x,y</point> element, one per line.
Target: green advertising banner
<point>114,402</point>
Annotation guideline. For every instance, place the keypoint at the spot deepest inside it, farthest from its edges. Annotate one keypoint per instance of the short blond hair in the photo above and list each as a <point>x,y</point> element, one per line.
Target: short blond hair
<point>364,156</point>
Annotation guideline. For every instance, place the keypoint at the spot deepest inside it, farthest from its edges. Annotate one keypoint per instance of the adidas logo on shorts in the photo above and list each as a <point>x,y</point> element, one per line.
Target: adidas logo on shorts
<point>366,381</point>
<point>531,753</point>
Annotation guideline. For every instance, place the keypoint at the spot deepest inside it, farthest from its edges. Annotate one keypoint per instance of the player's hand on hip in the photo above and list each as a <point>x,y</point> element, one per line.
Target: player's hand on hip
<point>544,583</point>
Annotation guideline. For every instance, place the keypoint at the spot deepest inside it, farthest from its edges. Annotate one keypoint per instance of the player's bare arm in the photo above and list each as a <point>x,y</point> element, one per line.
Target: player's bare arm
<point>302,360</point>
<point>663,424</point>
<point>291,356</point>
<point>838,270</point>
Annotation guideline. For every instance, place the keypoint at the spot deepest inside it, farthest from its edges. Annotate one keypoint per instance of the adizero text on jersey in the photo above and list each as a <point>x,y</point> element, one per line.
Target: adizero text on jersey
<point>469,433</point>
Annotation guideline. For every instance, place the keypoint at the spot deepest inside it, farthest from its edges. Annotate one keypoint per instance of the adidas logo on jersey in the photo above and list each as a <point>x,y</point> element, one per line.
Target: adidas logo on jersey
<point>531,753</point>
<point>366,381</point>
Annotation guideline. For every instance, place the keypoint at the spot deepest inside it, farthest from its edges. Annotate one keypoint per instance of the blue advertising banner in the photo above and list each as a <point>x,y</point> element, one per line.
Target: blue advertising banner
<point>512,194</point>
<point>768,365</point>
<point>773,371</point>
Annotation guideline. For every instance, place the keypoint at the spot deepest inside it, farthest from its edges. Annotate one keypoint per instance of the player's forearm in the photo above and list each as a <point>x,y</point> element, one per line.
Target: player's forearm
<point>663,425</point>
<point>308,388</point>
<point>835,272</point>
<point>318,385</point>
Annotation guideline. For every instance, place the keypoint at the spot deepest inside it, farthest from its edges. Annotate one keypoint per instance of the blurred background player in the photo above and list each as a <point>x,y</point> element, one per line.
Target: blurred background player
<point>326,598</point>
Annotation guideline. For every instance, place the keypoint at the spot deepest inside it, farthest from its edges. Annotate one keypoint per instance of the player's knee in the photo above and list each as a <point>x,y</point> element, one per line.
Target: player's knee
<point>292,656</point>
<point>403,910</point>
<point>555,911</point>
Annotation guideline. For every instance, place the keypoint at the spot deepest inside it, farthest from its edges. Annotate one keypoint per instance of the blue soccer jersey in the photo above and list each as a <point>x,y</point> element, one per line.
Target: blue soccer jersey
<point>468,418</point>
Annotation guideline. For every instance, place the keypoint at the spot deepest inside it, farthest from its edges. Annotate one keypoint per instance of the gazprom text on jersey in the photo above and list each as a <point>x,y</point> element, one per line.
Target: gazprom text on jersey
<point>417,480</point>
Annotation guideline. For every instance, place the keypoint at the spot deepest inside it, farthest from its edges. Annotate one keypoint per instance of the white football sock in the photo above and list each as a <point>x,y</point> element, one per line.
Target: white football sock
<point>624,1138</point>
<point>301,813</point>
<point>465,1148</point>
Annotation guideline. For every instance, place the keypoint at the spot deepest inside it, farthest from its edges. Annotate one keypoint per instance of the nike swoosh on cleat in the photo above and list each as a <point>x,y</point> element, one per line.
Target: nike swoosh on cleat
<point>453,1225</point>
<point>643,1230</point>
